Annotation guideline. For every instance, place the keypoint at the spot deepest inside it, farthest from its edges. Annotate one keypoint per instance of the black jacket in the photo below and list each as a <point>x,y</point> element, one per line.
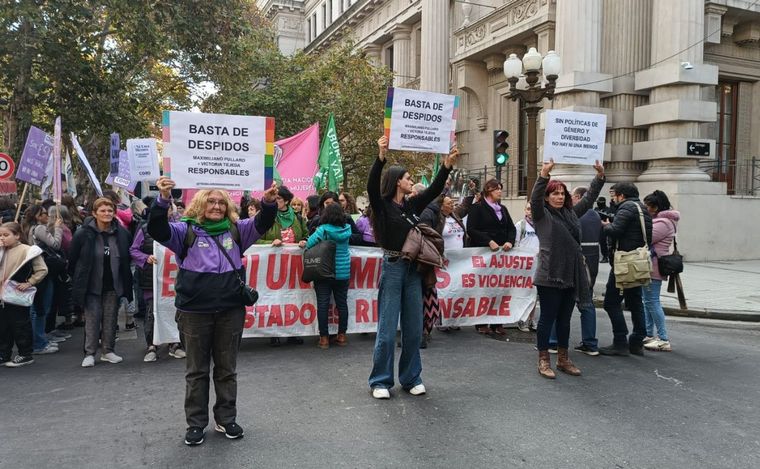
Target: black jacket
<point>82,257</point>
<point>483,226</point>
<point>625,230</point>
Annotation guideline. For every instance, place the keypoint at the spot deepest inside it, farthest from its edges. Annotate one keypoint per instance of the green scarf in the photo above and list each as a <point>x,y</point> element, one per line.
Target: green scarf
<point>213,228</point>
<point>286,217</point>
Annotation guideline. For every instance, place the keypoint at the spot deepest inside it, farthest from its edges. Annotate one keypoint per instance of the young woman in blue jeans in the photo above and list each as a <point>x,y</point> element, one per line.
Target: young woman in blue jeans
<point>333,227</point>
<point>393,215</point>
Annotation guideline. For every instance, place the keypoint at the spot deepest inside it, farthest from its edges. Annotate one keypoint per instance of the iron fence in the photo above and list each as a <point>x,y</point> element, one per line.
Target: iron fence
<point>741,177</point>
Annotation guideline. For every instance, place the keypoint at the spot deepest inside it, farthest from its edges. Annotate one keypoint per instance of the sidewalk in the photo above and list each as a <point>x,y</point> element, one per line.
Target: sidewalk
<point>716,290</point>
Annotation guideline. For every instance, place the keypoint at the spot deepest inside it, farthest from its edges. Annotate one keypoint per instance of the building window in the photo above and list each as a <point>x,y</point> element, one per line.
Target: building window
<point>324,16</point>
<point>308,30</point>
<point>314,25</point>
<point>725,160</point>
<point>417,52</point>
<point>330,11</point>
<point>389,58</point>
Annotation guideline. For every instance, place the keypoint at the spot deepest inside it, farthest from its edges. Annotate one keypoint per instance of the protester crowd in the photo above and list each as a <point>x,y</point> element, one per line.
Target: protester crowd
<point>91,262</point>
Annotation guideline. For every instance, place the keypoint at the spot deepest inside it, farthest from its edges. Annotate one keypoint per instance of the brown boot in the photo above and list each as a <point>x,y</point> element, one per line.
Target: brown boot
<point>324,342</point>
<point>565,364</point>
<point>341,339</point>
<point>545,365</point>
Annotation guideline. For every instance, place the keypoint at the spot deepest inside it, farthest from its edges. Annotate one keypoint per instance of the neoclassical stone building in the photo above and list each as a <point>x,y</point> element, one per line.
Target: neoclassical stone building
<point>667,73</point>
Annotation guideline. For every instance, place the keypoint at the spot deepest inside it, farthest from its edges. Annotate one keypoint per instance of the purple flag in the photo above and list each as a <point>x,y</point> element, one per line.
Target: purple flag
<point>57,189</point>
<point>34,159</point>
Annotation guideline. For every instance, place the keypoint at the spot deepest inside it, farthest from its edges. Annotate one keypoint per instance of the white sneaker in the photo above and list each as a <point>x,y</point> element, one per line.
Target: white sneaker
<point>659,346</point>
<point>88,362</point>
<point>381,393</point>
<point>49,348</point>
<point>523,326</point>
<point>150,356</point>
<point>418,390</point>
<point>177,353</point>
<point>54,339</point>
<point>648,339</point>
<point>110,357</point>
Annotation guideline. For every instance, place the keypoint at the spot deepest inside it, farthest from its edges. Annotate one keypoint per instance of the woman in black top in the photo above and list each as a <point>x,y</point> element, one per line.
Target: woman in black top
<point>400,282</point>
<point>489,225</point>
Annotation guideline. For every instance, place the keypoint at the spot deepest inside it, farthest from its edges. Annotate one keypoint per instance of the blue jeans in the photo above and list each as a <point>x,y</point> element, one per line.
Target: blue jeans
<point>39,313</point>
<point>653,313</point>
<point>588,328</point>
<point>400,294</point>
<point>613,304</point>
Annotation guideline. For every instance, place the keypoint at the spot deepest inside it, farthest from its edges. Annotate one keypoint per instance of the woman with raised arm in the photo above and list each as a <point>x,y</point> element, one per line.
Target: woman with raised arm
<point>393,216</point>
<point>562,277</point>
<point>209,243</point>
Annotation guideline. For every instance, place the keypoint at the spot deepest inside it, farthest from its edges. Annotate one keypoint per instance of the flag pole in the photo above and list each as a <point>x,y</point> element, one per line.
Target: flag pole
<point>21,201</point>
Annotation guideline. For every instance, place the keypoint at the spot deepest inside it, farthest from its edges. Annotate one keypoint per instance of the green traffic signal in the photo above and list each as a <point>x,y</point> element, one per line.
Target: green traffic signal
<point>501,159</point>
<point>500,155</point>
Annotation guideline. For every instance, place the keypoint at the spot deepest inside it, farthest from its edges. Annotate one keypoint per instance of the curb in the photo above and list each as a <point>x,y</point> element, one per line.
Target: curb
<point>702,313</point>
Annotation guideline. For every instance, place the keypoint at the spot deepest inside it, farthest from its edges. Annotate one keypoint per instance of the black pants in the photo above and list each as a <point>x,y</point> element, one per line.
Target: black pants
<point>556,305</point>
<point>207,336</point>
<point>339,290</point>
<point>15,327</point>
<point>613,304</point>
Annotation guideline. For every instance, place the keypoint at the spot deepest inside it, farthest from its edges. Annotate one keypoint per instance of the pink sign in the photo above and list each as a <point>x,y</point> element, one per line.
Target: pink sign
<point>296,160</point>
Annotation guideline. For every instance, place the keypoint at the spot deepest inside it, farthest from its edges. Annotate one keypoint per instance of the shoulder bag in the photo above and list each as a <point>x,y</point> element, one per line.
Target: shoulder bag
<point>319,262</point>
<point>12,295</point>
<point>671,264</point>
<point>248,296</point>
<point>634,268</point>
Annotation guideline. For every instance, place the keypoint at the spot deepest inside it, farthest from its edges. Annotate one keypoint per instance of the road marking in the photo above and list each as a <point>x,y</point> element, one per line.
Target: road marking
<point>677,382</point>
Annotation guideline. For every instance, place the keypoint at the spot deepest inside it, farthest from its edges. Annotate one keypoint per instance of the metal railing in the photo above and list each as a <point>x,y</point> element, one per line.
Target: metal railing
<point>741,177</point>
<point>512,176</point>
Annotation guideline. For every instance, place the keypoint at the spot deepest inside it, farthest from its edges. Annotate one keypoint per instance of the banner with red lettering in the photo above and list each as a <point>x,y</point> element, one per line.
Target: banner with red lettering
<point>477,287</point>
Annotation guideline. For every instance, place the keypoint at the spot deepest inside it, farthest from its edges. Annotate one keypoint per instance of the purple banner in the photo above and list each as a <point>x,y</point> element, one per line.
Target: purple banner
<point>34,159</point>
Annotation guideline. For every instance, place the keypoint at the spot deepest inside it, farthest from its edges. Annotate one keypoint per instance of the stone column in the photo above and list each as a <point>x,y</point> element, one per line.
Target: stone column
<point>578,43</point>
<point>373,51</point>
<point>676,110</point>
<point>434,75</point>
<point>402,54</point>
<point>626,47</point>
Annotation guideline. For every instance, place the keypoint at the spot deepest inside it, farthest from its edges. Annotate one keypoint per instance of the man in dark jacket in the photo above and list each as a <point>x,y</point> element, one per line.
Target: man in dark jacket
<point>625,234</point>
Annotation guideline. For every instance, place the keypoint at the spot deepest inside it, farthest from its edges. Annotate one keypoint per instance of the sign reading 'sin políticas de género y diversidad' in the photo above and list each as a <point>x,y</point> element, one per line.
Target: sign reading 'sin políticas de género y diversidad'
<point>420,120</point>
<point>218,151</point>
<point>574,137</point>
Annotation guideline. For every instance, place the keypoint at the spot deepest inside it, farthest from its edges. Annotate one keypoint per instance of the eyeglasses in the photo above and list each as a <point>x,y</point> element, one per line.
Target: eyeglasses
<point>218,202</point>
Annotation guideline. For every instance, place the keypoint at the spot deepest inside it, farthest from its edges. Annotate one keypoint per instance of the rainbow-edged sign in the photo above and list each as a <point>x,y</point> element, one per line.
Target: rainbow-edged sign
<point>420,120</point>
<point>218,151</point>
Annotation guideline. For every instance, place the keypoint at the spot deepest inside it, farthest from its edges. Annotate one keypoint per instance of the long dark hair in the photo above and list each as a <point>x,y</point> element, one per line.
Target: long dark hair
<point>333,215</point>
<point>659,200</point>
<point>388,185</point>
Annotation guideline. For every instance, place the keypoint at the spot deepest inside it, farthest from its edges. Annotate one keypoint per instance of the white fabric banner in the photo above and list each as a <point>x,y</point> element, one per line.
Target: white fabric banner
<point>216,151</point>
<point>574,137</point>
<point>83,159</point>
<point>477,287</point>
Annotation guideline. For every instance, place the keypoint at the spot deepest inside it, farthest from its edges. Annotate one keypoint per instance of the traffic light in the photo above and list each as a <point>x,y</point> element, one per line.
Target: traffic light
<point>500,145</point>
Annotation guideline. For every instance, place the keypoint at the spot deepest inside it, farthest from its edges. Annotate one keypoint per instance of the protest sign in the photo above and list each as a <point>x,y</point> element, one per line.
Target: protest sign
<point>123,177</point>
<point>296,160</point>
<point>114,149</point>
<point>143,159</point>
<point>83,159</point>
<point>477,287</point>
<point>34,159</point>
<point>420,121</point>
<point>219,151</point>
<point>57,187</point>
<point>574,137</point>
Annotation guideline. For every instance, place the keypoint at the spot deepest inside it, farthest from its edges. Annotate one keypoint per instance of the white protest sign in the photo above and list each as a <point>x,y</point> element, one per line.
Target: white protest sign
<point>219,151</point>
<point>574,137</point>
<point>420,121</point>
<point>83,159</point>
<point>143,159</point>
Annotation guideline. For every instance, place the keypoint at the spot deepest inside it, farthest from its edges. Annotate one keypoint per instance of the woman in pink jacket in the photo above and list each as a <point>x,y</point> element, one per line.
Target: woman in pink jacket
<point>664,221</point>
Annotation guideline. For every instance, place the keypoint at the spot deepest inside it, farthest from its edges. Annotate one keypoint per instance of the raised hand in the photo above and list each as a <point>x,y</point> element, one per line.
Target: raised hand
<point>270,195</point>
<point>451,159</point>
<point>165,186</point>
<point>546,168</point>
<point>599,167</point>
<point>382,146</point>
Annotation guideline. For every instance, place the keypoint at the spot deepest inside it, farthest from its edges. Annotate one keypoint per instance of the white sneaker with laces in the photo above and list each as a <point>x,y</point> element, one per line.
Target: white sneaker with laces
<point>110,357</point>
<point>659,346</point>
<point>523,326</point>
<point>381,393</point>
<point>150,356</point>
<point>648,339</point>
<point>418,390</point>
<point>88,362</point>
<point>49,348</point>
<point>177,353</point>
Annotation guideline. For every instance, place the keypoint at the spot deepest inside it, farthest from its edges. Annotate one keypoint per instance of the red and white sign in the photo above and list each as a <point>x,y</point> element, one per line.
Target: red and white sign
<point>477,287</point>
<point>7,166</point>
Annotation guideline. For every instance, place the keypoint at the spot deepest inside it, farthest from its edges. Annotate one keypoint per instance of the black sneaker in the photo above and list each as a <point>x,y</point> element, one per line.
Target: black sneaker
<point>636,349</point>
<point>194,436</point>
<point>553,349</point>
<point>130,326</point>
<point>583,348</point>
<point>230,430</point>
<point>619,350</point>
<point>19,360</point>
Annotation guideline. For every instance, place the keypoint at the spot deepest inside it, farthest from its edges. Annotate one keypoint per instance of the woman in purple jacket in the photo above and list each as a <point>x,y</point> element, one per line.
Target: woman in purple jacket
<point>210,312</point>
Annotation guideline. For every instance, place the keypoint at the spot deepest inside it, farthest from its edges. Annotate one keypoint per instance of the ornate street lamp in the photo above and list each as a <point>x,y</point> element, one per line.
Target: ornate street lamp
<point>532,94</point>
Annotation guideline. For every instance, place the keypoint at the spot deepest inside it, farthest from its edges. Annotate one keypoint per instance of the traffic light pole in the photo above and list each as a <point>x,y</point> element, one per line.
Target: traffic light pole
<point>532,110</point>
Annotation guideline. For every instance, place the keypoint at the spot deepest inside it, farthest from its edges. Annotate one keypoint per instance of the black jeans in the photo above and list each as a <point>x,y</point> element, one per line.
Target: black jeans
<point>15,327</point>
<point>207,336</point>
<point>613,304</point>
<point>339,290</point>
<point>556,306</point>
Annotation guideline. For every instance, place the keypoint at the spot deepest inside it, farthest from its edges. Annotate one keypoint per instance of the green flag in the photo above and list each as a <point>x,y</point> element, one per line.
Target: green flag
<point>330,174</point>
<point>424,181</point>
<point>437,164</point>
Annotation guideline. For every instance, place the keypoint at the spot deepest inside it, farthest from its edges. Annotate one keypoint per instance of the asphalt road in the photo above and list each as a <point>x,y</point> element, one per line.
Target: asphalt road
<point>486,407</point>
